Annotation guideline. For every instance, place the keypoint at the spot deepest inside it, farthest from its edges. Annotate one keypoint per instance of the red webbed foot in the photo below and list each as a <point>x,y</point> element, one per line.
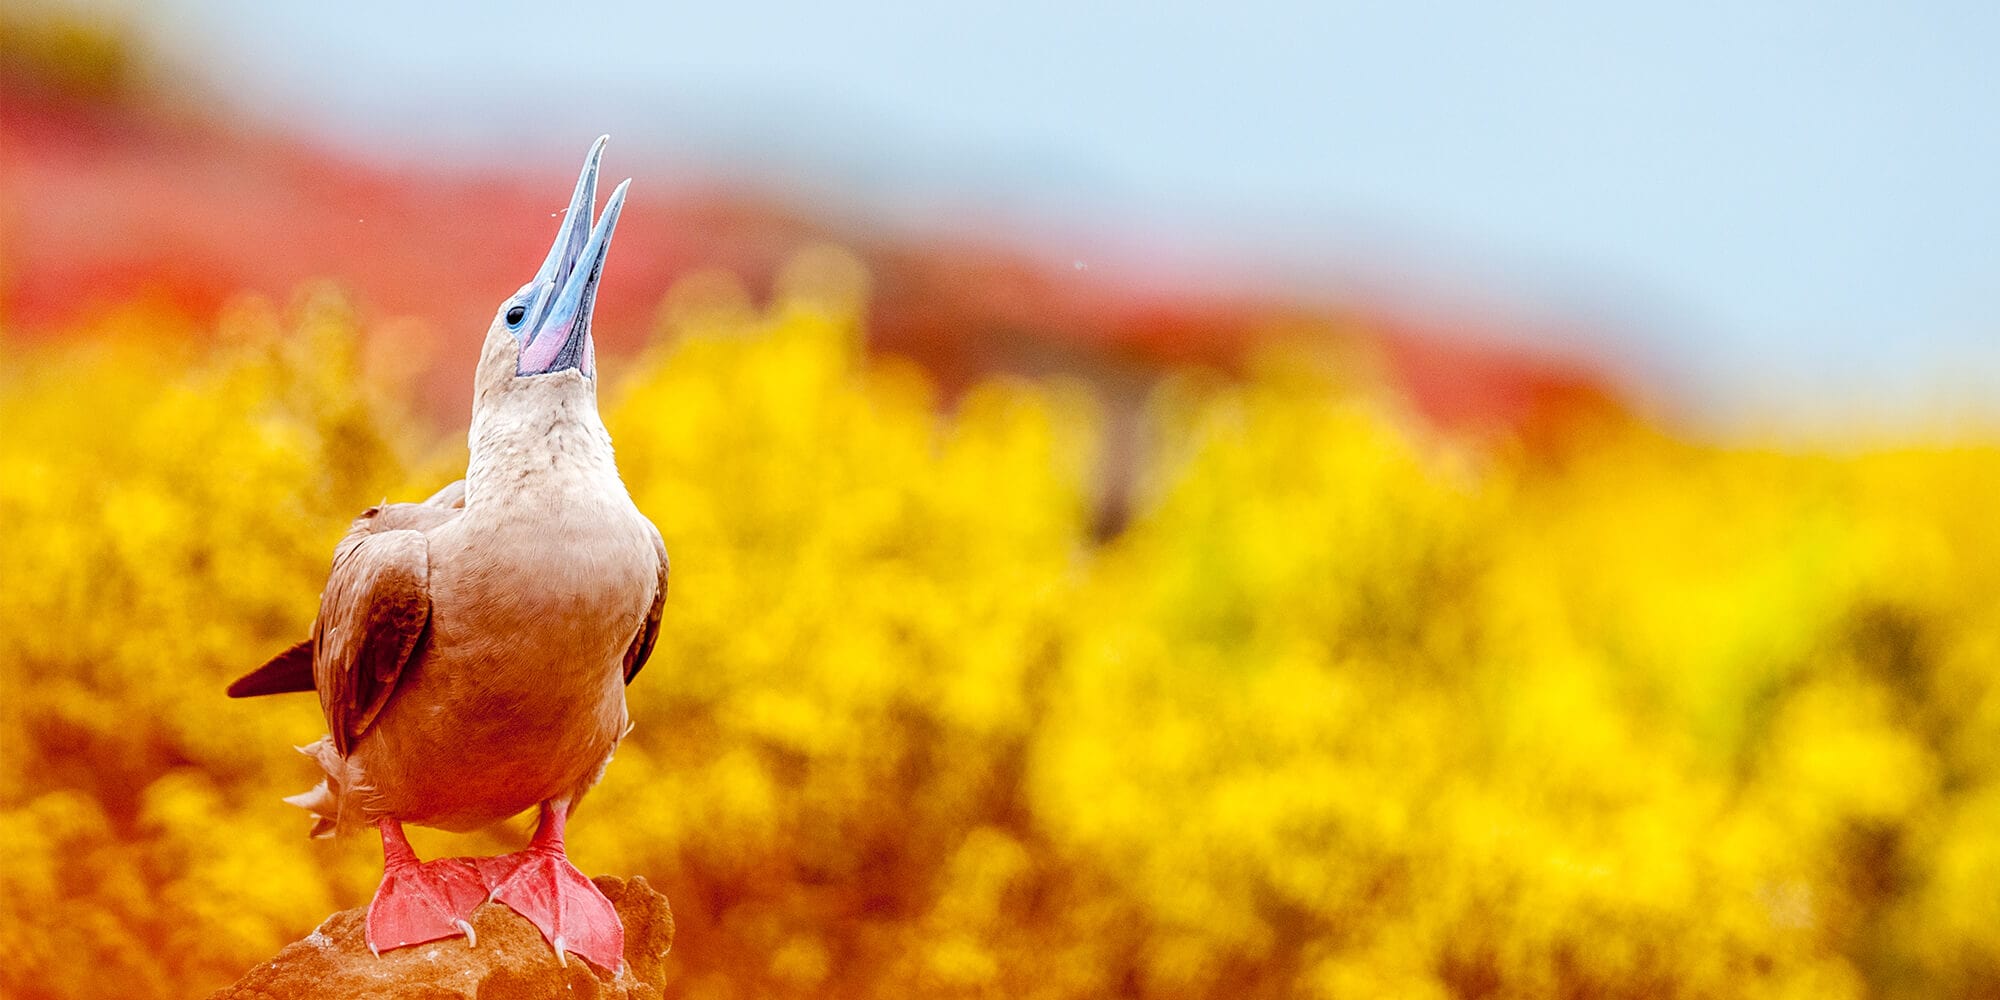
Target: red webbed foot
<point>420,902</point>
<point>541,884</point>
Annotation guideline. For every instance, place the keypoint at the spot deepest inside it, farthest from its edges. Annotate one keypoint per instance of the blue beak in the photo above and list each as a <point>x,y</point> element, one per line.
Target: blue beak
<point>558,326</point>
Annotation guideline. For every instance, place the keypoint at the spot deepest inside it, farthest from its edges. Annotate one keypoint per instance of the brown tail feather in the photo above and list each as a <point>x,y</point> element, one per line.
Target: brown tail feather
<point>291,670</point>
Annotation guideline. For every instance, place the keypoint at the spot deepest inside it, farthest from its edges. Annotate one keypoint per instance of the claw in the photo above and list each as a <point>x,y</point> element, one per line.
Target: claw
<point>420,902</point>
<point>471,937</point>
<point>570,911</point>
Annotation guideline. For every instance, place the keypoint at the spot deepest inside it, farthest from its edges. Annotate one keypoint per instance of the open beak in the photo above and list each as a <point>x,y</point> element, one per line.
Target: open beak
<point>559,336</point>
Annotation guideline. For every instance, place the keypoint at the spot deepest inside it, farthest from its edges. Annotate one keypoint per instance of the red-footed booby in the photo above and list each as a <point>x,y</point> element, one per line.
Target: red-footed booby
<point>471,651</point>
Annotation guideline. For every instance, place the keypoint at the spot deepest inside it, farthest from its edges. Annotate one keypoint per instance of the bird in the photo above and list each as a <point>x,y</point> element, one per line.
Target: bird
<point>471,652</point>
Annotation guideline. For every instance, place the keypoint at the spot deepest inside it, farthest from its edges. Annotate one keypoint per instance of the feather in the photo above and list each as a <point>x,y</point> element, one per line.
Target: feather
<point>289,671</point>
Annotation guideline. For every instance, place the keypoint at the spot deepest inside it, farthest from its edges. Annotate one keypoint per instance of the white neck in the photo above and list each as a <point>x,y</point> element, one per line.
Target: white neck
<point>537,447</point>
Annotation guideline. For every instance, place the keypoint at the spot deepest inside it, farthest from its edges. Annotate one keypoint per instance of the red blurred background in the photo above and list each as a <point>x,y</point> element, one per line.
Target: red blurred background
<point>116,192</point>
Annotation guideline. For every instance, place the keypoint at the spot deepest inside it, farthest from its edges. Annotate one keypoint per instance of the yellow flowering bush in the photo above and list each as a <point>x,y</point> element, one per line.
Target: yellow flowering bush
<point>1347,710</point>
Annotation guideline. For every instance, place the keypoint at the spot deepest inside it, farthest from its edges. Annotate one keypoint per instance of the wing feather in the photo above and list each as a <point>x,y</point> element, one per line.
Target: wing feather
<point>375,573</point>
<point>373,617</point>
<point>649,631</point>
<point>291,670</point>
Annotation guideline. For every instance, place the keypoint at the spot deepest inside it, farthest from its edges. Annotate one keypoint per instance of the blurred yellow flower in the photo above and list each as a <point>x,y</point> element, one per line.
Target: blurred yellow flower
<point>1345,711</point>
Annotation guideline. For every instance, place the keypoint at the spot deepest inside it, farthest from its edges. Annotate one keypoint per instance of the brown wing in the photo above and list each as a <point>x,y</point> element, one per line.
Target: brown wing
<point>292,670</point>
<point>649,631</point>
<point>373,616</point>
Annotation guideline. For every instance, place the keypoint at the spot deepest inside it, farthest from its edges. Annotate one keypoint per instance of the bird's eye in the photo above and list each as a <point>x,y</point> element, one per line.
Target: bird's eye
<point>516,315</point>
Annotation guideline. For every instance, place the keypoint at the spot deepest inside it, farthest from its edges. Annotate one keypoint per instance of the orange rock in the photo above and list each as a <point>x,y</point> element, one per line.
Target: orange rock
<point>511,961</point>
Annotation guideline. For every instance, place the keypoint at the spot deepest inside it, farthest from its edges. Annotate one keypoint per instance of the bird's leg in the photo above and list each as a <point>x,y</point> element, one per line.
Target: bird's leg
<point>420,902</point>
<point>540,884</point>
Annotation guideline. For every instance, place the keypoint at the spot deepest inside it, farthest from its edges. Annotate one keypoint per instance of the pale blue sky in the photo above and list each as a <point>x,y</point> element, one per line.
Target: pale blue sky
<point>1782,204</point>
